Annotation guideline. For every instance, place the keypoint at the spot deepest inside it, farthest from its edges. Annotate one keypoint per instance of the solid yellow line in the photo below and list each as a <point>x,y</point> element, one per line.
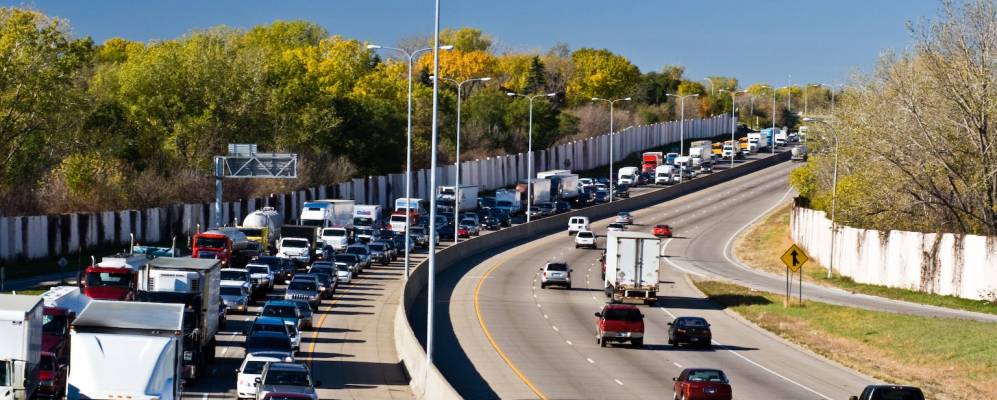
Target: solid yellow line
<point>488,334</point>
<point>318,328</point>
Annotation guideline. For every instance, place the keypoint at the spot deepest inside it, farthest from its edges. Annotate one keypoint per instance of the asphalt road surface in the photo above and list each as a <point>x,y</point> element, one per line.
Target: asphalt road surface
<point>540,343</point>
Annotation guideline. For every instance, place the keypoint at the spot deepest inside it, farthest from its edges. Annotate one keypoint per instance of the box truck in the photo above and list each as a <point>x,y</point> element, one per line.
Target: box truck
<point>510,201</point>
<point>651,160</point>
<point>126,350</point>
<point>632,266</point>
<point>20,345</point>
<point>468,197</point>
<point>329,213</point>
<point>541,190</point>
<point>368,215</point>
<point>196,284</point>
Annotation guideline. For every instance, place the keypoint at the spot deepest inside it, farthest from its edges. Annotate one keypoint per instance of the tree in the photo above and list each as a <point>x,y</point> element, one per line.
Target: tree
<point>536,76</point>
<point>600,73</point>
<point>40,66</point>
<point>466,39</point>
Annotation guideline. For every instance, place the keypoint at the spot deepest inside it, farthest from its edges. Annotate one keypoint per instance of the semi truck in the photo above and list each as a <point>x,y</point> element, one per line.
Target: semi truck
<point>563,183</point>
<point>701,152</point>
<point>632,266</point>
<point>113,278</point>
<point>368,216</point>
<point>127,350</point>
<point>328,213</point>
<point>468,197</point>
<point>226,244</point>
<point>20,345</point>
<point>61,306</point>
<point>651,160</point>
<point>194,283</point>
<point>263,226</point>
<point>541,189</point>
<point>510,201</point>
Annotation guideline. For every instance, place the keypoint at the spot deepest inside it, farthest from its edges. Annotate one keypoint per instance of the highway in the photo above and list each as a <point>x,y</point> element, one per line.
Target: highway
<point>511,339</point>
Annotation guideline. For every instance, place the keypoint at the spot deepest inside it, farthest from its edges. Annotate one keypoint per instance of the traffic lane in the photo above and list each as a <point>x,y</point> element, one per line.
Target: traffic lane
<point>586,330</point>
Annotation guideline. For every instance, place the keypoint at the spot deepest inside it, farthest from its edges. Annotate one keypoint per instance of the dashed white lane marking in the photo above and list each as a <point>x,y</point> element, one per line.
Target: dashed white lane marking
<point>539,306</point>
<point>569,342</point>
<point>677,364</point>
<point>591,361</point>
<point>555,328</point>
<point>545,316</point>
<point>617,381</point>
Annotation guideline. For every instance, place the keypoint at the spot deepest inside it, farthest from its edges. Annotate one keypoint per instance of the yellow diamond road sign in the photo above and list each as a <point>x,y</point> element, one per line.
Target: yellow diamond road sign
<point>794,258</point>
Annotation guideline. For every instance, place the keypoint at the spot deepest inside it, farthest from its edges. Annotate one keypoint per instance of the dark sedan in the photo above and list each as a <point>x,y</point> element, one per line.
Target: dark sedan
<point>689,330</point>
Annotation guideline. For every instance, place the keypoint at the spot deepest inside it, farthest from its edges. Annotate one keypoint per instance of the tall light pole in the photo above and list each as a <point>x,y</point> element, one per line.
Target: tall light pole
<point>834,189</point>
<point>410,56</point>
<point>789,101</point>
<point>456,191</point>
<point>431,286</point>
<point>611,103</point>
<point>682,124</point>
<point>529,151</point>
<point>733,123</point>
<point>710,81</point>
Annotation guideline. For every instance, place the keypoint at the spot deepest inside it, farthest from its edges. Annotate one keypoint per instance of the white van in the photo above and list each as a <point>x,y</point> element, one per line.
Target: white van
<point>664,175</point>
<point>577,224</point>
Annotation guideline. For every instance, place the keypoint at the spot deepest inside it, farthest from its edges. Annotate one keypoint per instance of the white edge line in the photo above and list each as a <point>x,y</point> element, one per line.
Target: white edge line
<point>773,372</point>
<point>591,361</point>
<point>730,240</point>
<point>621,383</point>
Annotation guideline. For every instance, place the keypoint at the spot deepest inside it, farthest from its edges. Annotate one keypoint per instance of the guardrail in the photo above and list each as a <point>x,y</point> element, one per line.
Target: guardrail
<point>427,382</point>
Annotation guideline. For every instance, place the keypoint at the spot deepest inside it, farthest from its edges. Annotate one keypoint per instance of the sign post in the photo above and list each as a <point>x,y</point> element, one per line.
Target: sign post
<point>243,161</point>
<point>794,258</point>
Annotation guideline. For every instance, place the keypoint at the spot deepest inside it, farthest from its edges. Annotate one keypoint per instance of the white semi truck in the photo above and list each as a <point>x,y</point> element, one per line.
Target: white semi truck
<point>196,284</point>
<point>126,350</point>
<point>20,345</point>
<point>632,266</point>
<point>333,213</point>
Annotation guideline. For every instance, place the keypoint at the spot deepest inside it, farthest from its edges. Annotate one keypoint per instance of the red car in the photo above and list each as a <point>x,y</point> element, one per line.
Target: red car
<point>463,232</point>
<point>702,384</point>
<point>662,230</point>
<point>620,323</point>
<point>51,376</point>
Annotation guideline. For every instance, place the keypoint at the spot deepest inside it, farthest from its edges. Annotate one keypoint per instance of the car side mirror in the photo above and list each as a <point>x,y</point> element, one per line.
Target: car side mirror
<point>318,383</point>
<point>571,270</point>
<point>237,371</point>
<point>598,314</point>
<point>669,324</point>
<point>257,381</point>
<point>675,378</point>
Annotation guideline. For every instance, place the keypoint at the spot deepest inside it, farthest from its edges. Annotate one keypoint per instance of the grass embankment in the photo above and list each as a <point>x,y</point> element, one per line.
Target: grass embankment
<point>762,245</point>
<point>947,358</point>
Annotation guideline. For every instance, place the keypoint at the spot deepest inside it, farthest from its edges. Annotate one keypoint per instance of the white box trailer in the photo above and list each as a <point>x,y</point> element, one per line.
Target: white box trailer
<point>553,172</point>
<point>541,190</point>
<point>20,345</point>
<point>126,350</point>
<point>329,213</point>
<point>195,283</point>
<point>468,197</point>
<point>632,266</point>
<point>368,215</point>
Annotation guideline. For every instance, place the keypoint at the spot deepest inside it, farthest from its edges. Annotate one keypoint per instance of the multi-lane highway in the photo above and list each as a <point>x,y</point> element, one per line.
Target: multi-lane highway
<point>512,339</point>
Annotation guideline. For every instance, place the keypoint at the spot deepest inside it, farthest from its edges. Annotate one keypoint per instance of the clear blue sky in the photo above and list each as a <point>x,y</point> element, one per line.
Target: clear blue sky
<point>755,41</point>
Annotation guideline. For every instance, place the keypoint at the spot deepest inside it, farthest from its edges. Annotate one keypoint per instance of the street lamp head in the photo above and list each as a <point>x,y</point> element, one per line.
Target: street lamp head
<point>373,46</point>
<point>446,47</point>
<point>809,119</point>
<point>627,99</point>
<point>487,78</point>
<point>510,94</point>
<point>694,95</point>
<point>596,99</point>
<point>550,94</point>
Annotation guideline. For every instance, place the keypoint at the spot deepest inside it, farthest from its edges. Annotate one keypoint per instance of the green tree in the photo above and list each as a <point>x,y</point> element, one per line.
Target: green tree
<point>466,39</point>
<point>536,76</point>
<point>600,73</point>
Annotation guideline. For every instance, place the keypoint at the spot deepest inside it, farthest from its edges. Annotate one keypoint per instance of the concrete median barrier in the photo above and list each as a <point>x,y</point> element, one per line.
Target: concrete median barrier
<point>426,380</point>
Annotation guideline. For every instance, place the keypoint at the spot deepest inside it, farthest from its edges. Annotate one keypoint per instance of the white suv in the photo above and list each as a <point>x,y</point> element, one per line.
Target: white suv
<point>585,239</point>
<point>556,273</point>
<point>577,224</point>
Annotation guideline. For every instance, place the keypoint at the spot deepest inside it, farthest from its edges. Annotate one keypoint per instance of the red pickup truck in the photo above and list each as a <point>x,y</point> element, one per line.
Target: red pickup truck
<point>620,323</point>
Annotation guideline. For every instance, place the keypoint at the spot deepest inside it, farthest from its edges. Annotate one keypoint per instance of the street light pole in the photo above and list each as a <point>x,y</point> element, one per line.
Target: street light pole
<point>529,151</point>
<point>712,92</point>
<point>410,56</point>
<point>456,191</point>
<point>733,123</point>
<point>431,286</point>
<point>682,113</point>
<point>611,103</point>
<point>834,190</point>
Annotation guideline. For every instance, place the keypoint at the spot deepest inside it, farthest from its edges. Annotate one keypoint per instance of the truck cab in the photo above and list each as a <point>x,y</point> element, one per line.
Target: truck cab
<point>223,244</point>
<point>113,278</point>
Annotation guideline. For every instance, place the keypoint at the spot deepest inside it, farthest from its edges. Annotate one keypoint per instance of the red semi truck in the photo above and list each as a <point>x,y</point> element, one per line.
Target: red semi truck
<point>113,278</point>
<point>62,304</point>
<point>651,160</point>
<point>223,244</point>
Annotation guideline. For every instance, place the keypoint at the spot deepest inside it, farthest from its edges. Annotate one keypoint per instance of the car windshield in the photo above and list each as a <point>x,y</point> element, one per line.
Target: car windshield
<point>234,275</point>
<point>287,378</point>
<point>346,258</point>
<point>897,394</point>
<point>252,232</point>
<point>467,222</point>
<point>397,218</point>
<point>621,314</point>
<point>302,286</point>
<point>47,363</point>
<point>557,267</point>
<point>303,308</point>
<point>585,235</point>
<point>231,291</point>
<point>279,311</point>
<point>504,203</point>
<point>258,270</point>
<point>268,342</point>
<point>693,322</point>
<point>334,232</point>
<point>376,246</point>
<point>109,279</point>
<point>296,243</point>
<point>357,250</point>
<point>707,376</point>
<point>322,269</point>
<point>209,243</point>
<point>54,325</point>
<point>417,231</point>
<point>253,367</point>
<point>273,262</point>
<point>267,328</point>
